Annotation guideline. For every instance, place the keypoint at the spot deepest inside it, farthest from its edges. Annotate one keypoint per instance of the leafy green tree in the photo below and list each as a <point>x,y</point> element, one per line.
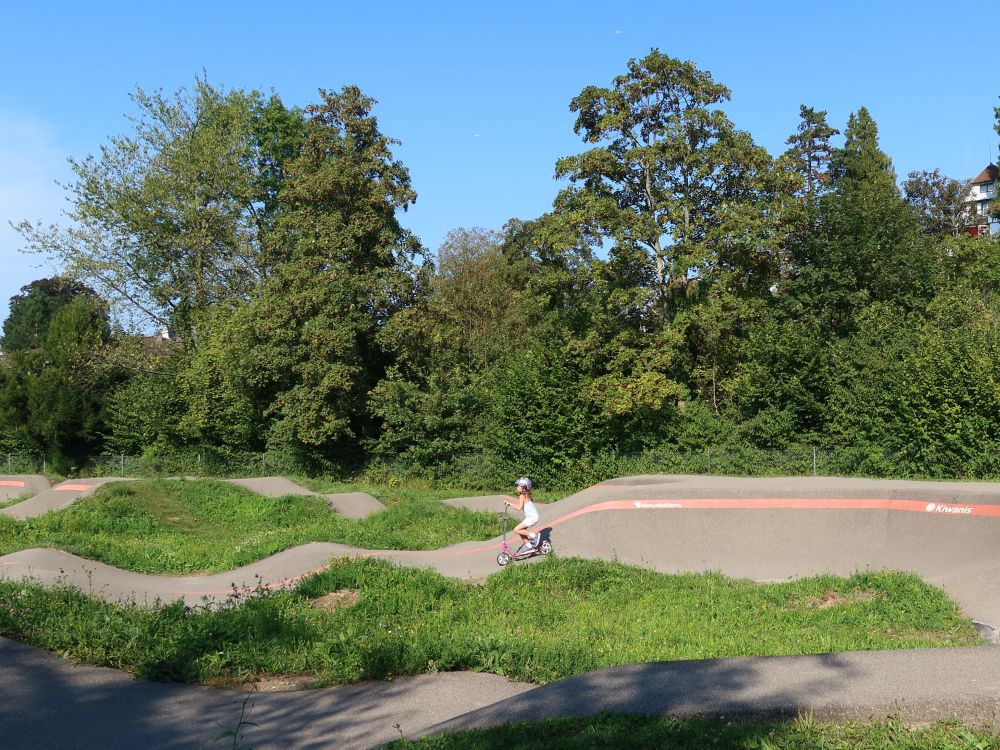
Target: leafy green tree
<point>426,423</point>
<point>471,313</point>
<point>307,345</point>
<point>694,218</point>
<point>594,315</point>
<point>560,262</point>
<point>861,160</point>
<point>805,166</point>
<point>671,181</point>
<point>938,202</point>
<point>55,392</point>
<point>783,386</point>
<point>144,414</point>
<point>31,311</point>
<point>480,287</point>
<point>971,265</point>
<point>219,408</point>
<point>169,220</point>
<point>14,435</point>
<point>921,392</point>
<point>536,415</point>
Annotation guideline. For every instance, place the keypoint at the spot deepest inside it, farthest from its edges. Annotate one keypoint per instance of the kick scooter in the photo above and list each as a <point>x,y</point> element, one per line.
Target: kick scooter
<point>543,547</point>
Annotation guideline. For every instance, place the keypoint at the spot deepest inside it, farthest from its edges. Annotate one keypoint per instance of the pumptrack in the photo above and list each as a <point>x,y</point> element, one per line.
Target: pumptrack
<point>766,529</point>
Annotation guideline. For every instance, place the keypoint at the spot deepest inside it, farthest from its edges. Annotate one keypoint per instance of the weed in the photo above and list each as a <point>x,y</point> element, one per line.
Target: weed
<point>236,733</point>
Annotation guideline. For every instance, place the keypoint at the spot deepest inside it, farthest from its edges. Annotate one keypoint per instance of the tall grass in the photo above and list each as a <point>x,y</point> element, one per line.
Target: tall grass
<point>537,623</point>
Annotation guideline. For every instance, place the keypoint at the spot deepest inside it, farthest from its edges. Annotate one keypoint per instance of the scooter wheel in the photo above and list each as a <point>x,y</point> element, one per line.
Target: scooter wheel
<point>546,547</point>
<point>502,559</point>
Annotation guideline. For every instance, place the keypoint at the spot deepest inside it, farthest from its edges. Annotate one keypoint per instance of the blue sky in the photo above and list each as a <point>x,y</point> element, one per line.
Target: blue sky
<point>478,93</point>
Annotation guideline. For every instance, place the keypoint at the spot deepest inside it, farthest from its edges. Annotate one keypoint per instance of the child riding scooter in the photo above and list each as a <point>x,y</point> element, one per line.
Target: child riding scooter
<point>531,542</point>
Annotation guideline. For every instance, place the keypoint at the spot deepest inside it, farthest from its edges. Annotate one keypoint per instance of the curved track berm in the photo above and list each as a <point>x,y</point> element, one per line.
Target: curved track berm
<point>13,486</point>
<point>46,498</point>
<point>764,529</point>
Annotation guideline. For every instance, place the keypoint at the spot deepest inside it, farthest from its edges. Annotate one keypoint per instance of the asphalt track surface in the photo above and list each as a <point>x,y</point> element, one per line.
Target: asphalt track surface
<point>763,529</point>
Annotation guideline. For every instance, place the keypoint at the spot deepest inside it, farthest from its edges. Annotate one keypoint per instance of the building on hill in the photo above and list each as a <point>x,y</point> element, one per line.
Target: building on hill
<point>160,343</point>
<point>982,191</point>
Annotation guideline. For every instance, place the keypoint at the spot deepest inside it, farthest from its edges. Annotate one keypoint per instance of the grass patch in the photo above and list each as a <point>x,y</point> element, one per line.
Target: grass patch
<point>537,623</point>
<point>616,732</point>
<point>18,499</point>
<point>181,526</point>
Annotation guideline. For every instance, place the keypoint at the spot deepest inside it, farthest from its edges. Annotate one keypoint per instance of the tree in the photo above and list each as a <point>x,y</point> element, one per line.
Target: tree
<point>921,391</point>
<point>995,205</point>
<point>810,153</point>
<point>479,286</point>
<point>672,179</point>
<point>31,311</point>
<point>144,413</point>
<point>785,378</point>
<point>53,393</point>
<point>466,316</point>
<point>169,220</point>
<point>869,246</point>
<point>307,345</point>
<point>938,202</point>
<point>861,160</point>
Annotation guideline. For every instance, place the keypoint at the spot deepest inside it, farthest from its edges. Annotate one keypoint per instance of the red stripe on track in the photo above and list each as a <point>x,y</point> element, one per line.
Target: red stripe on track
<point>73,487</point>
<point>11,483</point>
<point>767,503</point>
<point>806,503</point>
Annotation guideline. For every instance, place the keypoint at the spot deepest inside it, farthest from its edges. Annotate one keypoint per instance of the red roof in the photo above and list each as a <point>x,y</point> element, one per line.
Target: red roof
<point>989,174</point>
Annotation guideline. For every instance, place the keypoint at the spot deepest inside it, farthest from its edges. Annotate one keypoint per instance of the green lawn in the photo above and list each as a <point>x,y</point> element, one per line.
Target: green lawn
<point>538,623</point>
<point>180,526</point>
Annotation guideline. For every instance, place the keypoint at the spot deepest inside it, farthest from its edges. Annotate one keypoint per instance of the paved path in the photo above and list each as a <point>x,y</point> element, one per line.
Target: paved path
<point>46,702</point>
<point>347,504</point>
<point>14,485</point>
<point>918,686</point>
<point>53,498</point>
<point>765,529</point>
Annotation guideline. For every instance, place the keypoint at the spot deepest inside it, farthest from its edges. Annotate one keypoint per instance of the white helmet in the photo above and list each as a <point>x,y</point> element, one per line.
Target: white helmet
<point>523,482</point>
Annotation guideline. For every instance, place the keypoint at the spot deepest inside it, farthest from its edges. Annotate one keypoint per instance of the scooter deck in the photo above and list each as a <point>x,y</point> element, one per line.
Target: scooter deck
<point>525,555</point>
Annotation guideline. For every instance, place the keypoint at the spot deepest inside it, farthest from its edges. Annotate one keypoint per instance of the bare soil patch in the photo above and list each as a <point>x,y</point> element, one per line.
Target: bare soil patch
<point>336,600</point>
<point>834,599</point>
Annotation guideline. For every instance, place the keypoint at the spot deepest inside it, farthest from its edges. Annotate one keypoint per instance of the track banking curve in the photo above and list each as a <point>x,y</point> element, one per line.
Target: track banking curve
<point>766,529</point>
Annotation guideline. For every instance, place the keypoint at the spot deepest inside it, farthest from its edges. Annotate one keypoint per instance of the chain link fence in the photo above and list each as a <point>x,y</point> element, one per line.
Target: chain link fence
<point>478,470</point>
<point>488,471</point>
<point>13,463</point>
<point>194,464</point>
